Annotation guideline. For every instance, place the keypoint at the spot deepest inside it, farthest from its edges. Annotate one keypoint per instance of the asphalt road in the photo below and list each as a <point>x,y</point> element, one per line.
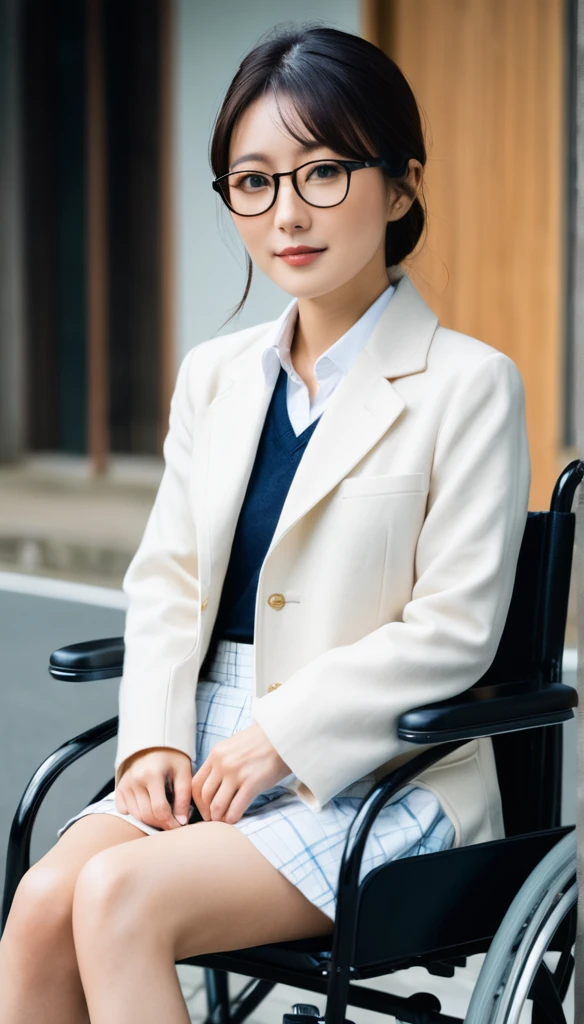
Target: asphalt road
<point>39,713</point>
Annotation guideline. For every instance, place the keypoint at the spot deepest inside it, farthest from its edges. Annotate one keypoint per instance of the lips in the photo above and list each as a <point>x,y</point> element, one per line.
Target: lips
<point>300,259</point>
<point>297,250</point>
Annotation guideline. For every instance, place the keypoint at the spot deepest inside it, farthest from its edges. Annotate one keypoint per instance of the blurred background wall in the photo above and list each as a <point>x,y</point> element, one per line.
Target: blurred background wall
<point>126,259</point>
<point>496,83</point>
<point>117,256</point>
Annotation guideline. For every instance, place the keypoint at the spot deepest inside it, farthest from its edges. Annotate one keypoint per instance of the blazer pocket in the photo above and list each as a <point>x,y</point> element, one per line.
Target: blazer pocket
<point>386,483</point>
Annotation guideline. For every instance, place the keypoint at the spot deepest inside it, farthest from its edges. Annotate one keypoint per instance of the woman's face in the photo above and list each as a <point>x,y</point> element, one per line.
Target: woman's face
<point>352,234</point>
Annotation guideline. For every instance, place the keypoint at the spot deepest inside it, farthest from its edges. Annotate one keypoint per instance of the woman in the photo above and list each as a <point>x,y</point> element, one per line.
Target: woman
<point>334,541</point>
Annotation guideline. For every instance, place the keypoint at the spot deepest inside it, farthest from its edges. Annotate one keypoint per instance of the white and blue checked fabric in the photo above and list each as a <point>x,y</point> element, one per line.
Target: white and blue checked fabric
<point>305,845</point>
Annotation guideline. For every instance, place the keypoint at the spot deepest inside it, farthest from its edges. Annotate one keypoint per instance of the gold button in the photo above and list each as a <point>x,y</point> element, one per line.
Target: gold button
<point>273,686</point>
<point>204,604</point>
<point>276,601</point>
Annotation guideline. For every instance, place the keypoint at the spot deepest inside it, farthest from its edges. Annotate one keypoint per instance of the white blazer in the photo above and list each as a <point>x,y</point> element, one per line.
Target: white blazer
<point>393,560</point>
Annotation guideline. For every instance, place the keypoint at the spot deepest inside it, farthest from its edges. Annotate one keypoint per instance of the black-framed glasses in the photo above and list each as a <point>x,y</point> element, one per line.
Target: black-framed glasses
<point>321,183</point>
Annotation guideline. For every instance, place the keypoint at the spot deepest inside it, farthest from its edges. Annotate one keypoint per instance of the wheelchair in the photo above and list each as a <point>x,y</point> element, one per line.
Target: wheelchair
<point>514,899</point>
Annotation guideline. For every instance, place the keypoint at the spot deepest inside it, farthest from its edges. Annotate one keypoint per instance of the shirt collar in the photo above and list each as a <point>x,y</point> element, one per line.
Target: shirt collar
<point>338,358</point>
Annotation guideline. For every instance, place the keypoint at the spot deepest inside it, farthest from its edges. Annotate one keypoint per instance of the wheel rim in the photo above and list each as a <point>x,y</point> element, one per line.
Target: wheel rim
<point>529,956</point>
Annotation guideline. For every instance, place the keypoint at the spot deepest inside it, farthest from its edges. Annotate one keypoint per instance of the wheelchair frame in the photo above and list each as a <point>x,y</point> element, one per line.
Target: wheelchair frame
<point>440,908</point>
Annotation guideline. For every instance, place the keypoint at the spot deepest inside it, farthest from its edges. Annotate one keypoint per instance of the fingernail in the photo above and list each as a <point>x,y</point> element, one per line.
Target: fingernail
<point>182,818</point>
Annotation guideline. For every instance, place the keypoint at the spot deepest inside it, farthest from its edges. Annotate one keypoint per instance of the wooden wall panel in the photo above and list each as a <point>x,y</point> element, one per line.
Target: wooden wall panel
<point>489,78</point>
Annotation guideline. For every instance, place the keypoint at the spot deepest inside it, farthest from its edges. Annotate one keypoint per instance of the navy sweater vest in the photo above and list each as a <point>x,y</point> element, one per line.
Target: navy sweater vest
<point>277,459</point>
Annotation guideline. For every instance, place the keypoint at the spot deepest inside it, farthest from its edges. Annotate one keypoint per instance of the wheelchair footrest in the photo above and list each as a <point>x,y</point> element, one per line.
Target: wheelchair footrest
<point>306,1013</point>
<point>303,1018</point>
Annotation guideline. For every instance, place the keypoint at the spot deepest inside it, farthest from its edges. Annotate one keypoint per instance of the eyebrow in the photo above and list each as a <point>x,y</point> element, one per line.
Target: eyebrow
<point>307,147</point>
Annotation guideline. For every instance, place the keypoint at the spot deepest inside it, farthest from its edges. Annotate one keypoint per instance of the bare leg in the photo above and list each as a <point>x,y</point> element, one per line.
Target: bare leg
<point>39,977</point>
<point>199,889</point>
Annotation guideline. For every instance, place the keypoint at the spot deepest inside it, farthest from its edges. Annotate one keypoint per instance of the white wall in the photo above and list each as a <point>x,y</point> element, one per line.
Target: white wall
<point>210,39</point>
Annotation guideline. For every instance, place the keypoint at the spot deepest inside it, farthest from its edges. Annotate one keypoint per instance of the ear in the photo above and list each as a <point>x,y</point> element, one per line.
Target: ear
<point>398,203</point>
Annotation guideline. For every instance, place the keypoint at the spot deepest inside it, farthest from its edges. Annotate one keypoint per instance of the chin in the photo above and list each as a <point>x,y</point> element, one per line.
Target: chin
<point>302,287</point>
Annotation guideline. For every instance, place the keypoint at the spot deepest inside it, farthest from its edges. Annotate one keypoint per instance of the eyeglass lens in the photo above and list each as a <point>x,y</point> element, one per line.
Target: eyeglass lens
<point>252,192</point>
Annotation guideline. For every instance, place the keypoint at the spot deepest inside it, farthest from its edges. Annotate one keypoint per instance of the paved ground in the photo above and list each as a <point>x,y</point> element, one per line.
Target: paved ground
<point>38,713</point>
<point>56,520</point>
<point>453,993</point>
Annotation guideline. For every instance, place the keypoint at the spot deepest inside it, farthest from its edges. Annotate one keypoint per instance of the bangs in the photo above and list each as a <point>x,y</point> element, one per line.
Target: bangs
<point>344,93</point>
<point>325,113</point>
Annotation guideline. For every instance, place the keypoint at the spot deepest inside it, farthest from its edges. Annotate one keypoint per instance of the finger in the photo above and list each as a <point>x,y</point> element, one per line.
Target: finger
<point>197,783</point>
<point>146,814</point>
<point>199,805</point>
<point>221,802</point>
<point>202,774</point>
<point>131,804</point>
<point>161,808</point>
<point>119,802</point>
<point>208,790</point>
<point>239,804</point>
<point>182,793</point>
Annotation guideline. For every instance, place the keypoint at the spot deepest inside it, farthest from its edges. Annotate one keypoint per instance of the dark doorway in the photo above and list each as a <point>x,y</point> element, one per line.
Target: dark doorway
<point>55,139</point>
<point>133,118</point>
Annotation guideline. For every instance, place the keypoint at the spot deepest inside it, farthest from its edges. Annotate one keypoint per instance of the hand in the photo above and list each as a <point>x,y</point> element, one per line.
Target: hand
<point>236,771</point>
<point>141,788</point>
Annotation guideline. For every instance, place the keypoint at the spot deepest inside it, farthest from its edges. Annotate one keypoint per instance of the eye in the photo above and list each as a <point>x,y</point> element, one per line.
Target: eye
<point>259,181</point>
<point>325,172</point>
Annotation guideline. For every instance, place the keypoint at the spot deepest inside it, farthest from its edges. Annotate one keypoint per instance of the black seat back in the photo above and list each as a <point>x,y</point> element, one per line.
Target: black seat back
<point>529,761</point>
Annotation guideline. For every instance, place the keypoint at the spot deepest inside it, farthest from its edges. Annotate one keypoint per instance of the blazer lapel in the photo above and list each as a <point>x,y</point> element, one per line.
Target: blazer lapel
<point>362,409</point>
<point>233,428</point>
<point>364,406</point>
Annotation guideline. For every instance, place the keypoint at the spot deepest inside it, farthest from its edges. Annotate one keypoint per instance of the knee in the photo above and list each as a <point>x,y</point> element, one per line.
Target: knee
<point>108,902</point>
<point>40,914</point>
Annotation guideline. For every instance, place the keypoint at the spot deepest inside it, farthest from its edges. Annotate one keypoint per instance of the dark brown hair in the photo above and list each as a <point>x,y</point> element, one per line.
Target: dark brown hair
<point>348,94</point>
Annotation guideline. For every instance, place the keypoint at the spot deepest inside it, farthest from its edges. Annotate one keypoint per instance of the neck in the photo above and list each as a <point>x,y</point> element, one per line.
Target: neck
<point>323,320</point>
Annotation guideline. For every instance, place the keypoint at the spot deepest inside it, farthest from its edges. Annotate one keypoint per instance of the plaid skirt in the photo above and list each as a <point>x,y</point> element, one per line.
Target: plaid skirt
<point>305,845</point>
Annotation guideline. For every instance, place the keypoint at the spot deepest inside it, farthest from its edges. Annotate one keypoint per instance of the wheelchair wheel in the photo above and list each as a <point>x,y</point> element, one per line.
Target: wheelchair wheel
<point>514,968</point>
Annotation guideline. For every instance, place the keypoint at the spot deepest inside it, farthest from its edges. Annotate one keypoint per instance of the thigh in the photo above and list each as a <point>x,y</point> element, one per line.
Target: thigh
<point>45,892</point>
<point>59,868</point>
<point>86,837</point>
<point>206,887</point>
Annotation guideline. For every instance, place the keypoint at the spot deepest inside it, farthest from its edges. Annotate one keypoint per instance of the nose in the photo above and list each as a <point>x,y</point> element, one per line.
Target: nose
<point>290,211</point>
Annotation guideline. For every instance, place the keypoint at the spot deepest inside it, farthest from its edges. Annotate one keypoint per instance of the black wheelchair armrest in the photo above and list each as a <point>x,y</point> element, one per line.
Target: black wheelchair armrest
<point>487,711</point>
<point>90,660</point>
<point>478,711</point>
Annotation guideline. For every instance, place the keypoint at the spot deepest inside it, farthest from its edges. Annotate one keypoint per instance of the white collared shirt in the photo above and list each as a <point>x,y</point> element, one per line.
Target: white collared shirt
<point>329,368</point>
